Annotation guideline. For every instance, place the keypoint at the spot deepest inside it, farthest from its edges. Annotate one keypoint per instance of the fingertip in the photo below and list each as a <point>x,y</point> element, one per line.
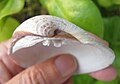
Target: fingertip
<point>65,64</point>
<point>107,74</point>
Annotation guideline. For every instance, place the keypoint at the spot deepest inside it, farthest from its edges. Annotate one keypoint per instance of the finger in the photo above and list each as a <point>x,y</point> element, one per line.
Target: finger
<point>69,81</point>
<point>4,73</point>
<point>14,68</point>
<point>107,74</point>
<point>53,71</point>
<point>7,67</point>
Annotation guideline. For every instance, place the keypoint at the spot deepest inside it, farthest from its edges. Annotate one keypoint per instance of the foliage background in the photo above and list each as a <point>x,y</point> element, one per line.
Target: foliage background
<point>14,12</point>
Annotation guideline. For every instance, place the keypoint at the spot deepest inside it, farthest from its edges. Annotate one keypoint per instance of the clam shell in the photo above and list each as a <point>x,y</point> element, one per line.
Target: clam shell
<point>90,53</point>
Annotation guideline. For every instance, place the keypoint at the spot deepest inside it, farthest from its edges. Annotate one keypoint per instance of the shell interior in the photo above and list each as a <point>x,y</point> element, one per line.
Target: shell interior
<point>33,49</point>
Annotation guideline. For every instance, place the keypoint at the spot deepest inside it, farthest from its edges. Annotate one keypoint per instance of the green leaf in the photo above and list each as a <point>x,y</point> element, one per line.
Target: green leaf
<point>9,24</point>
<point>112,31</point>
<point>116,63</point>
<point>105,3</point>
<point>83,13</point>
<point>109,4</point>
<point>83,79</point>
<point>116,2</point>
<point>8,7</point>
<point>2,22</point>
<point>112,35</point>
<point>111,82</point>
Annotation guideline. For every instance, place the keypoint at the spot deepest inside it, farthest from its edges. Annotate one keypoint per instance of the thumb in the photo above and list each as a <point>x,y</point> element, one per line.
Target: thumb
<point>53,71</point>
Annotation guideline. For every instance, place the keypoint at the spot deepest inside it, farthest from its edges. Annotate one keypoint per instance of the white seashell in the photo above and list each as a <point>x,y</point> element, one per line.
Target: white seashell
<point>42,43</point>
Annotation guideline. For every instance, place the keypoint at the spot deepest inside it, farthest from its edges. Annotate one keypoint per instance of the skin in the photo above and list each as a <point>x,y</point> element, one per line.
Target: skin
<point>11,73</point>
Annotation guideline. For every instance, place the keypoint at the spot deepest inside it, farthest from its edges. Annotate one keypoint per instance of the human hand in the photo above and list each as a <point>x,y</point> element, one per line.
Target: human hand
<point>56,70</point>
